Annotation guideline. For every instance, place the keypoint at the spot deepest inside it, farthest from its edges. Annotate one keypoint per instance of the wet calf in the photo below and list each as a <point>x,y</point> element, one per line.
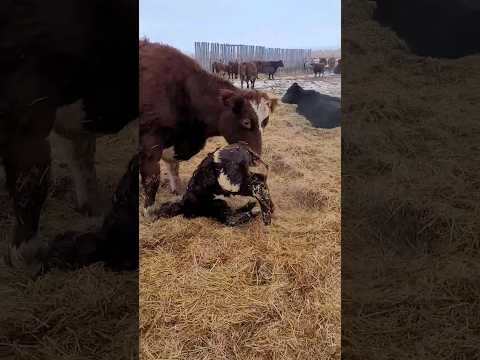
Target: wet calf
<point>232,170</point>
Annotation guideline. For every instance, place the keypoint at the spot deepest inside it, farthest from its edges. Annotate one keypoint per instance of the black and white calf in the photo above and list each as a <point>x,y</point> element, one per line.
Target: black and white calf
<point>231,170</point>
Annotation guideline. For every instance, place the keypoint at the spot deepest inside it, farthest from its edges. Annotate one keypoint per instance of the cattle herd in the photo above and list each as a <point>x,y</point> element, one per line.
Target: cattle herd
<point>247,70</point>
<point>319,66</point>
<point>180,106</point>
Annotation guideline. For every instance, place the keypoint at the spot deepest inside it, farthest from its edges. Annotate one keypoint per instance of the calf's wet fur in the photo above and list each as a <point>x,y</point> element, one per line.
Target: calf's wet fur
<point>225,172</point>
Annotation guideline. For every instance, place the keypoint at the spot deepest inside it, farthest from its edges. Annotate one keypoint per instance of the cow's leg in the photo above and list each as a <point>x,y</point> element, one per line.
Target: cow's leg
<point>80,156</point>
<point>78,146</point>
<point>173,176</point>
<point>168,155</point>
<point>27,167</point>
<point>150,173</point>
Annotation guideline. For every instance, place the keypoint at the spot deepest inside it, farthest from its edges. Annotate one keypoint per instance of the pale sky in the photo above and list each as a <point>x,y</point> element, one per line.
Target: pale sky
<point>281,23</point>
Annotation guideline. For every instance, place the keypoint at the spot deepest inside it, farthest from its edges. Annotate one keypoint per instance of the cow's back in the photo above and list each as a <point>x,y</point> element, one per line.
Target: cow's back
<point>323,111</point>
<point>165,72</point>
<point>65,58</point>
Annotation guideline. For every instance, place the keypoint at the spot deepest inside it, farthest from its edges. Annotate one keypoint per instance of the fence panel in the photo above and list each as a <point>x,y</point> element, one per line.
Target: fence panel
<point>207,53</point>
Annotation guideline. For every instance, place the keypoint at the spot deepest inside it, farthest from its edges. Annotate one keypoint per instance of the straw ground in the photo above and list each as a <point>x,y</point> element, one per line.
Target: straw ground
<point>86,314</point>
<point>410,197</point>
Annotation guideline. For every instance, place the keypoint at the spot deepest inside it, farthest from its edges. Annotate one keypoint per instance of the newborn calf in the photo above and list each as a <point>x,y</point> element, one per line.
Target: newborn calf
<point>231,170</point>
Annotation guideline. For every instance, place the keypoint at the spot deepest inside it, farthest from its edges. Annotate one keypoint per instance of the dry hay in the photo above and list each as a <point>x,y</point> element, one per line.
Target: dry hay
<point>87,314</point>
<point>208,291</point>
<point>411,200</point>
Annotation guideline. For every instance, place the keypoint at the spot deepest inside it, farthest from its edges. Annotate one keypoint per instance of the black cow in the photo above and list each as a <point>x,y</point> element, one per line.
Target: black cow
<point>321,110</point>
<point>434,28</point>
<point>226,171</point>
<point>269,67</point>
<point>54,54</point>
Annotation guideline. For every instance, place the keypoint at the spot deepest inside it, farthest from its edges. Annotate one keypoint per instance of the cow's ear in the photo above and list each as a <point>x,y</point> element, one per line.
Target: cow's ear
<point>226,96</point>
<point>238,104</point>
<point>233,100</point>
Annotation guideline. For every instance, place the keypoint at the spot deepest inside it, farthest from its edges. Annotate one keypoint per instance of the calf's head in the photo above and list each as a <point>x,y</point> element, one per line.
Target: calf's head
<point>244,117</point>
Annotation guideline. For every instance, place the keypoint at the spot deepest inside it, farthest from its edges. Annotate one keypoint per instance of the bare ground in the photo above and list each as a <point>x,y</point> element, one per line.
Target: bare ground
<point>212,292</point>
<point>328,84</point>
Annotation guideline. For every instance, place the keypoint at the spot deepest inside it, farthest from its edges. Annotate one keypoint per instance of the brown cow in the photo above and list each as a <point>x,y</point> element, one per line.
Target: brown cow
<point>248,73</point>
<point>331,62</point>
<point>318,69</point>
<point>219,68</point>
<point>338,68</point>
<point>233,69</point>
<point>44,68</point>
<point>183,105</point>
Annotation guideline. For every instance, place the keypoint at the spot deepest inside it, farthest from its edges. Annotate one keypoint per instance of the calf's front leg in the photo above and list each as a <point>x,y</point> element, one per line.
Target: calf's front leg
<point>259,190</point>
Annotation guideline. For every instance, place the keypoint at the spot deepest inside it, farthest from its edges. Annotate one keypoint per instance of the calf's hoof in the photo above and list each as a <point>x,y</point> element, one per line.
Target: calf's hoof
<point>242,217</point>
<point>168,210</point>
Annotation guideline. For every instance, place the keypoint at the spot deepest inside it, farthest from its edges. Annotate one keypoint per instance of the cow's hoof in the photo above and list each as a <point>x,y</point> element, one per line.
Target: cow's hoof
<point>28,257</point>
<point>149,213</point>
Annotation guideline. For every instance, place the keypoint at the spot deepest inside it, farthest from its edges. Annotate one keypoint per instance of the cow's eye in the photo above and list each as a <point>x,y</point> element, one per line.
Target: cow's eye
<point>265,121</point>
<point>246,123</point>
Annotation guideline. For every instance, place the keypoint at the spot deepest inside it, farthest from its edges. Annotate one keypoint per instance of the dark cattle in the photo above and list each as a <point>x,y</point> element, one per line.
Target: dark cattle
<point>323,61</point>
<point>233,69</point>
<point>87,57</point>
<point>184,105</point>
<point>269,67</point>
<point>318,69</point>
<point>248,73</point>
<point>434,28</point>
<point>321,110</point>
<point>219,68</point>
<point>259,65</point>
<point>226,171</point>
<point>115,243</point>
<point>338,68</point>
